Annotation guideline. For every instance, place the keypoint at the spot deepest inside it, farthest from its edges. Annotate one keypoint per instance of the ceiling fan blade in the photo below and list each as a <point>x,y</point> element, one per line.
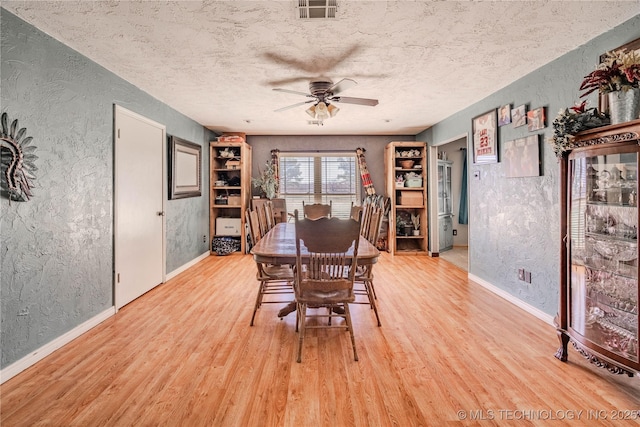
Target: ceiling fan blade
<point>295,92</point>
<point>285,82</point>
<point>294,105</point>
<point>359,101</point>
<point>341,86</point>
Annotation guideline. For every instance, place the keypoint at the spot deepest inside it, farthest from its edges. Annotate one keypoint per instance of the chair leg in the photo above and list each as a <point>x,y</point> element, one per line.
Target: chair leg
<point>302,311</point>
<point>371,293</point>
<point>350,326</point>
<point>258,301</point>
<point>373,290</point>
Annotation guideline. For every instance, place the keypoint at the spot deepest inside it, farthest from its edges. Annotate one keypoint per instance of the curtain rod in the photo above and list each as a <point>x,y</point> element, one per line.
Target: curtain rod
<point>316,151</point>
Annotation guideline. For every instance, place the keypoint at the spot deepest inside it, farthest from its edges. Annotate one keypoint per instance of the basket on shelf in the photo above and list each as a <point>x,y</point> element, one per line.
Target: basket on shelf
<point>413,182</point>
<point>406,164</point>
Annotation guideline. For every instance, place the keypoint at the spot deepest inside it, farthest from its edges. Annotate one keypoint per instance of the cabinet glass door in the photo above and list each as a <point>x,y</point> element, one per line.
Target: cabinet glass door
<point>444,188</point>
<point>603,229</point>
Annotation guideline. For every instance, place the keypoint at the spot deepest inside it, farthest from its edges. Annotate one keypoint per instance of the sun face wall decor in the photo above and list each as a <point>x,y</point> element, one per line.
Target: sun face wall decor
<point>17,161</point>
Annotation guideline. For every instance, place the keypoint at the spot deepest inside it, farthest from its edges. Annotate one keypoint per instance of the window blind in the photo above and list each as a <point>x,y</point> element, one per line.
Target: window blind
<point>320,178</point>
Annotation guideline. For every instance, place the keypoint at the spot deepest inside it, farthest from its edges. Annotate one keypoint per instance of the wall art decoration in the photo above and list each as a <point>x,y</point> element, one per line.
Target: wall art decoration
<point>519,116</point>
<point>522,157</point>
<point>536,119</point>
<point>504,115</point>
<point>485,138</point>
<point>185,170</point>
<point>17,161</point>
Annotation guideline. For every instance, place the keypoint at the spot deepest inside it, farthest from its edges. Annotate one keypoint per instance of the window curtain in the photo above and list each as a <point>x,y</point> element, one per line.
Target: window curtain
<point>463,212</point>
<point>367,183</point>
<point>275,162</point>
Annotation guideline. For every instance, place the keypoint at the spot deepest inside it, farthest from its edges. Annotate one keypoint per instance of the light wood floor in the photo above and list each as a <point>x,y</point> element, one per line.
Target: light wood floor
<point>458,256</point>
<point>185,355</point>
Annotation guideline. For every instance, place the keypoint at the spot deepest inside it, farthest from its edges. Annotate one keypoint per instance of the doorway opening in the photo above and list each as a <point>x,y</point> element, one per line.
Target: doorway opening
<point>450,210</point>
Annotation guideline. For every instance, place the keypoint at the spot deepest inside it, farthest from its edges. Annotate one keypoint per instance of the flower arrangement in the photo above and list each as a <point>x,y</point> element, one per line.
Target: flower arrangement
<point>572,120</point>
<point>267,181</point>
<point>619,71</point>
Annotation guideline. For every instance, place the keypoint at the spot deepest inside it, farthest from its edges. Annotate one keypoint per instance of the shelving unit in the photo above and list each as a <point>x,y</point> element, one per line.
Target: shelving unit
<point>599,261</point>
<point>408,197</point>
<point>230,184</point>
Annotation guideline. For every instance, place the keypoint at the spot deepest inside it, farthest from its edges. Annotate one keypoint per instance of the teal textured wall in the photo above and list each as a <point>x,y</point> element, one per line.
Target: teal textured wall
<point>57,250</point>
<point>515,222</point>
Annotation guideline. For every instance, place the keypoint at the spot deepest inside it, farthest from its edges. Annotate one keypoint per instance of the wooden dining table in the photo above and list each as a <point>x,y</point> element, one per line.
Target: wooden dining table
<point>278,247</point>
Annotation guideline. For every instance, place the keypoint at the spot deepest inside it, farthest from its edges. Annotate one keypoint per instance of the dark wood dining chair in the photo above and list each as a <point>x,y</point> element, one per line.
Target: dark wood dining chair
<point>364,273</point>
<point>355,212</point>
<point>272,279</point>
<point>316,210</point>
<point>325,276</point>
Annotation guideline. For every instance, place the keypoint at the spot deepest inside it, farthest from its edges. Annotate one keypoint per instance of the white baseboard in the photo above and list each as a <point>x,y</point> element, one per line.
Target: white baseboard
<point>31,359</point>
<point>191,263</point>
<point>547,318</point>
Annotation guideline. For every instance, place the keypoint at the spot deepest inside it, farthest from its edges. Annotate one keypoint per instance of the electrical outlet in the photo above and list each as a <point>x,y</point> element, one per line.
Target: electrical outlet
<point>204,238</point>
<point>521,274</point>
<point>455,232</point>
<point>527,276</point>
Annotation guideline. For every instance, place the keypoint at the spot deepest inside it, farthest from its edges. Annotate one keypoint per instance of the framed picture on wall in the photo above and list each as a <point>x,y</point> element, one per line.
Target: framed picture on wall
<point>485,137</point>
<point>504,115</point>
<point>519,116</point>
<point>185,170</point>
<point>522,157</point>
<point>536,119</point>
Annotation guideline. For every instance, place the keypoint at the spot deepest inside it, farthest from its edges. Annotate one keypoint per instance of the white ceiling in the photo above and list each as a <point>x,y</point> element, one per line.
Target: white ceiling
<point>218,61</point>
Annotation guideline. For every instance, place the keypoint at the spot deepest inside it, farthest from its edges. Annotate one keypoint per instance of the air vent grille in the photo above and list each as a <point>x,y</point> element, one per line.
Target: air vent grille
<point>317,9</point>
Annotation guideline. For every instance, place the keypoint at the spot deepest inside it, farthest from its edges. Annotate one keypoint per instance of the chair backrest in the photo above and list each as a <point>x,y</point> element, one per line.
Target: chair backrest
<point>268,211</point>
<point>327,241</point>
<point>372,230</point>
<point>254,226</point>
<point>316,210</point>
<point>356,211</point>
<point>262,218</point>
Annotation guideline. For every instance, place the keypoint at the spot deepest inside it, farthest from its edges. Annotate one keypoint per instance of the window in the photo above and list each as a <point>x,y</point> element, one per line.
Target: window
<point>320,178</point>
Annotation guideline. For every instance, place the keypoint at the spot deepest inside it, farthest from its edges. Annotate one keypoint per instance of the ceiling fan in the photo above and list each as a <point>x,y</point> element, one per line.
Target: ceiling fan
<point>323,92</point>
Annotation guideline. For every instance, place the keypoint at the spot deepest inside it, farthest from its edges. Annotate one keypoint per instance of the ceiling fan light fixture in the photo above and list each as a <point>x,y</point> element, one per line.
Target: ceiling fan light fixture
<point>321,111</point>
<point>333,110</point>
<point>311,111</point>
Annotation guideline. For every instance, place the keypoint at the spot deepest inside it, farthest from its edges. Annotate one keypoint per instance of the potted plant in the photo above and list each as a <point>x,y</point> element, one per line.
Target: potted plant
<point>267,182</point>
<point>618,76</point>
<point>400,226</point>
<point>570,121</point>
<point>415,219</point>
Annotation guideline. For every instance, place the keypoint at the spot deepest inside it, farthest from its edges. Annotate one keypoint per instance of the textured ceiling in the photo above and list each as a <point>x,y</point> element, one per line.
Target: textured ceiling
<point>218,61</point>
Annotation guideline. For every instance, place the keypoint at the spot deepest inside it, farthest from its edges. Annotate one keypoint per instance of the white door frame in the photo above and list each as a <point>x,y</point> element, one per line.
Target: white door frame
<point>121,110</point>
<point>434,231</point>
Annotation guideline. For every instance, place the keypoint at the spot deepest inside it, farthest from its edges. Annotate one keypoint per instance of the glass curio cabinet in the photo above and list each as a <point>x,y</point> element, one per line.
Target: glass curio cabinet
<point>599,271</point>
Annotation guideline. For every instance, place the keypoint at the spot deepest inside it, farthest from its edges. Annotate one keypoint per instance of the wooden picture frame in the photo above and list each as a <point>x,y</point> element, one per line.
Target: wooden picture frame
<point>522,157</point>
<point>185,169</point>
<point>603,99</point>
<point>485,137</point>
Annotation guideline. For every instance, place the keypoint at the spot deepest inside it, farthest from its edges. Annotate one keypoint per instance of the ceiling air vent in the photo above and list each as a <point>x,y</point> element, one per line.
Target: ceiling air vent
<point>317,9</point>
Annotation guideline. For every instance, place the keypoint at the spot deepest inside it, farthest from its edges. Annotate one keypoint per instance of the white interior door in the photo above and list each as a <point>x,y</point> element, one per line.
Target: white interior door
<point>139,205</point>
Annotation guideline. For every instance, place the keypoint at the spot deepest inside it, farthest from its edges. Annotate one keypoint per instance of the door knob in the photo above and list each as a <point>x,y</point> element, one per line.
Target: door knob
<point>161,213</point>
